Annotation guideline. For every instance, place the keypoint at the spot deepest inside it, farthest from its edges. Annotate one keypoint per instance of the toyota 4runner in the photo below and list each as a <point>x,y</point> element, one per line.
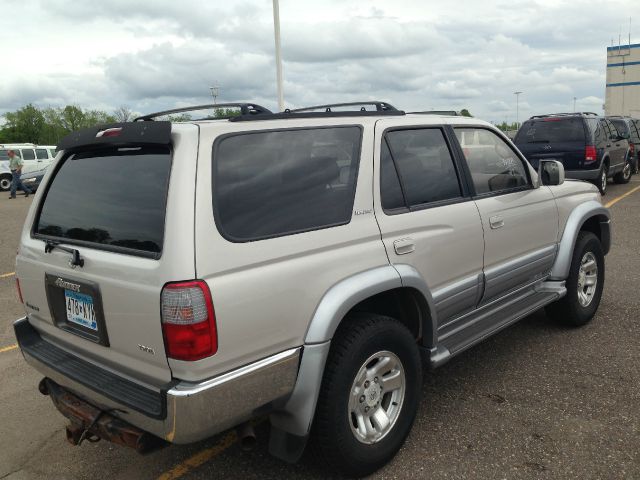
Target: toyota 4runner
<point>183,278</point>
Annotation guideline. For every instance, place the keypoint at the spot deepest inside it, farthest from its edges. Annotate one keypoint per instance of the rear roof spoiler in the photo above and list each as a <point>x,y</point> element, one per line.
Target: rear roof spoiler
<point>118,134</point>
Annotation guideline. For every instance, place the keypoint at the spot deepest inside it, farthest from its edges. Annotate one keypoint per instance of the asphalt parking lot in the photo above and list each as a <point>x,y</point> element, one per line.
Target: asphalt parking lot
<point>537,401</point>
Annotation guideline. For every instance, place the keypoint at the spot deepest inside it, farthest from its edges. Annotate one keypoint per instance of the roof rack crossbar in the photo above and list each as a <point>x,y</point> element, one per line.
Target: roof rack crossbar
<point>380,107</point>
<point>245,109</point>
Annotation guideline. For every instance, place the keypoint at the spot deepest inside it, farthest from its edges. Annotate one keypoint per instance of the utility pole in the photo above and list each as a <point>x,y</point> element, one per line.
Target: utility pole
<point>574,104</point>
<point>517,94</point>
<point>276,31</point>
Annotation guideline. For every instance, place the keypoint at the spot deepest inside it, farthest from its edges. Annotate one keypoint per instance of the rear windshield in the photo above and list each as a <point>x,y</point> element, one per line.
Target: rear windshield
<point>114,198</point>
<point>268,184</point>
<point>551,130</point>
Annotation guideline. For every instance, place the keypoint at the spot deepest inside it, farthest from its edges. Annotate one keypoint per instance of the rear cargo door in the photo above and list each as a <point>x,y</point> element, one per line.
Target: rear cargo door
<point>556,138</point>
<point>98,248</point>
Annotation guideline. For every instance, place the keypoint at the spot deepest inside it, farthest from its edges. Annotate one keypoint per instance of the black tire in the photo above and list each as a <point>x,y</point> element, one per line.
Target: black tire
<point>569,309</point>
<point>333,437</point>
<point>5,182</point>
<point>601,181</point>
<point>624,175</point>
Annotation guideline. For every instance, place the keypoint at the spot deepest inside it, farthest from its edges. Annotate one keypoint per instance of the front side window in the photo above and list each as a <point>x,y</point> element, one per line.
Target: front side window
<point>425,165</point>
<point>494,166</point>
<point>113,199</point>
<point>274,183</point>
<point>41,154</point>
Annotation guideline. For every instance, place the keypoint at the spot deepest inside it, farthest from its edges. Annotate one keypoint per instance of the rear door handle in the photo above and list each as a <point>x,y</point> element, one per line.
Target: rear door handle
<point>404,246</point>
<point>496,222</point>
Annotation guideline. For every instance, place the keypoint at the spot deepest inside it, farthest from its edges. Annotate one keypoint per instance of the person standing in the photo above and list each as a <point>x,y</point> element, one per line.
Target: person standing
<point>15,165</point>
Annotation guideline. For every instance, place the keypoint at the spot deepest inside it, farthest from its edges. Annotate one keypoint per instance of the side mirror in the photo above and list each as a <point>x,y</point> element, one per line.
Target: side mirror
<point>551,172</point>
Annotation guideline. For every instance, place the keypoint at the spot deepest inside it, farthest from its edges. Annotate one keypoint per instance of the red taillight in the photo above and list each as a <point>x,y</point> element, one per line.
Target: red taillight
<point>590,154</point>
<point>632,148</point>
<point>188,320</point>
<point>19,290</point>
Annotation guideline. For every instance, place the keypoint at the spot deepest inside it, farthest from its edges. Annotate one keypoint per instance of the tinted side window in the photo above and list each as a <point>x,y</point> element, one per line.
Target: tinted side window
<point>493,164</point>
<point>425,165</point>
<point>269,184</point>
<point>601,134</point>
<point>41,154</point>
<point>606,126</point>
<point>3,154</point>
<point>28,154</point>
<point>390,189</point>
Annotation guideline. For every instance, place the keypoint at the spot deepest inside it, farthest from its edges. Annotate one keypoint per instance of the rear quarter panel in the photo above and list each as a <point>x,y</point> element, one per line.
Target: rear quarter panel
<point>265,292</point>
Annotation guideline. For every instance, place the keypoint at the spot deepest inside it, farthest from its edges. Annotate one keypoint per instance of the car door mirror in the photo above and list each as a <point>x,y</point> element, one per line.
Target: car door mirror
<point>551,172</point>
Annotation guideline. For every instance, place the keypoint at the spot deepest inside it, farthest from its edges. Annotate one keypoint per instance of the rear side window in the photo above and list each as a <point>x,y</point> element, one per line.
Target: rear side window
<point>41,154</point>
<point>3,154</point>
<point>113,198</point>
<point>269,184</point>
<point>28,154</point>
<point>551,130</point>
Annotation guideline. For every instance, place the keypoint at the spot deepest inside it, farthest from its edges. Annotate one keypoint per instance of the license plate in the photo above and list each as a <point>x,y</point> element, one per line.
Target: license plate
<point>80,309</point>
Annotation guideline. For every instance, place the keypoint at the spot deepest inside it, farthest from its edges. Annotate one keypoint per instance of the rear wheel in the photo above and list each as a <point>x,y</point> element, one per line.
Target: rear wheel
<point>625,174</point>
<point>369,396</point>
<point>5,182</point>
<point>584,284</point>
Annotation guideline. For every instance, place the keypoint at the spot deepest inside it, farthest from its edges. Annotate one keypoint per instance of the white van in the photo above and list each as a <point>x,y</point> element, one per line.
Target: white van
<point>35,157</point>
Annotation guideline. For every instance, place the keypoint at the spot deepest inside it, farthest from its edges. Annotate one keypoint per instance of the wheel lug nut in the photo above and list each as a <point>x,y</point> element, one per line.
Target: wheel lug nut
<point>366,384</point>
<point>366,409</point>
<point>375,379</point>
<point>361,398</point>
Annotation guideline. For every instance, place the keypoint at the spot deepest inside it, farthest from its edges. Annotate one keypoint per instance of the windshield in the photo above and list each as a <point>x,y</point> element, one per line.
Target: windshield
<point>115,198</point>
<point>551,130</point>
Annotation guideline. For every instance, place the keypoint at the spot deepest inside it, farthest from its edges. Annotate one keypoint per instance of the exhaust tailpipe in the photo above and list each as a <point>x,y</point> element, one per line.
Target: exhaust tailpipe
<point>247,436</point>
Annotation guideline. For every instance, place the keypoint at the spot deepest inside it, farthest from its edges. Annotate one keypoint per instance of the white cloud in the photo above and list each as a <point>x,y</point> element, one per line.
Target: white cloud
<point>156,55</point>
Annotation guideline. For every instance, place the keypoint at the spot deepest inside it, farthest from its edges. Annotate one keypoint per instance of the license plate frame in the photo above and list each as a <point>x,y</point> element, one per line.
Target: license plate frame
<point>57,287</point>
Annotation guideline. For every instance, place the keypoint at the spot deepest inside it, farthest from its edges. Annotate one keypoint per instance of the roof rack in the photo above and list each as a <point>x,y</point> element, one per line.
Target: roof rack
<point>380,107</point>
<point>245,109</point>
<point>452,113</point>
<point>564,114</point>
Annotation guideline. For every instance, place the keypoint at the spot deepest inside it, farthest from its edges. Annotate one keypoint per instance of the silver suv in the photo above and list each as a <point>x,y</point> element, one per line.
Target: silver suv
<point>180,279</point>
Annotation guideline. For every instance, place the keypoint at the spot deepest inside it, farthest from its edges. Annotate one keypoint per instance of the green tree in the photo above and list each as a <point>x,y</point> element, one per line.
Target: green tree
<point>26,124</point>
<point>465,113</point>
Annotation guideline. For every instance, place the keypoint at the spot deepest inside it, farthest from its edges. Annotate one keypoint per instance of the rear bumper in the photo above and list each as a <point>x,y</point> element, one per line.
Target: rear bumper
<point>583,174</point>
<point>180,412</point>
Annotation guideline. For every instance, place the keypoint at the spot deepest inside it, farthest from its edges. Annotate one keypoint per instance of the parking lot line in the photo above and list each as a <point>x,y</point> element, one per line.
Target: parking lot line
<point>617,199</point>
<point>5,275</point>
<point>9,348</point>
<point>200,458</point>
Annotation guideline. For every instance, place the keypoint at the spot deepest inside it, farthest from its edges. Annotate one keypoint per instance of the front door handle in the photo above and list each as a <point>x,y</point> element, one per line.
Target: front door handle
<point>496,222</point>
<point>404,246</point>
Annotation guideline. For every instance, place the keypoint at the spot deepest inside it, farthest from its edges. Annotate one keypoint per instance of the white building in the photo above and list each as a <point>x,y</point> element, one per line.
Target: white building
<point>622,96</point>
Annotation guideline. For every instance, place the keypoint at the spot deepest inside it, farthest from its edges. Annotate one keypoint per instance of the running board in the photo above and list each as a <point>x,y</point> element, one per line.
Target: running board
<point>471,329</point>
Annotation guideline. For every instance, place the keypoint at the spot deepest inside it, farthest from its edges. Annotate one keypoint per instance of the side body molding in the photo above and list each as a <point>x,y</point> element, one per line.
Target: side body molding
<point>578,217</point>
<point>291,423</point>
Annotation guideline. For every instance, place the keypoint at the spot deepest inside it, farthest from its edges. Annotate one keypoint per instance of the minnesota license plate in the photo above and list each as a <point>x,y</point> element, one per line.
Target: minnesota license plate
<point>80,309</point>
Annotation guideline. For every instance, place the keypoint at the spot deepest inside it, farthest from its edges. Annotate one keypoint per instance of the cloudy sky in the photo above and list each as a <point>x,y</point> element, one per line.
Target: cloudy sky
<point>420,54</point>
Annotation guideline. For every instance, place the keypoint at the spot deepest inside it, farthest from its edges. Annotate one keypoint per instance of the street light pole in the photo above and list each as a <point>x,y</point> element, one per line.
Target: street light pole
<point>517,94</point>
<point>276,31</point>
<point>214,93</point>
<point>574,104</point>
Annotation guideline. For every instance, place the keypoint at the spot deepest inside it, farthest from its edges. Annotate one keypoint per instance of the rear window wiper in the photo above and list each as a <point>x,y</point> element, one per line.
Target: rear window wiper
<point>75,261</point>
